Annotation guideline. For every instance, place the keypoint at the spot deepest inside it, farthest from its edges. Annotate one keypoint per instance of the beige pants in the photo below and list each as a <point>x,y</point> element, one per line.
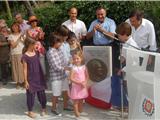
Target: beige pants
<point>42,62</point>
<point>17,68</point>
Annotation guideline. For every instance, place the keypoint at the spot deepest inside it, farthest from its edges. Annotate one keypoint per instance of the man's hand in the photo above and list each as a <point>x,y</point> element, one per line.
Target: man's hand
<point>98,27</point>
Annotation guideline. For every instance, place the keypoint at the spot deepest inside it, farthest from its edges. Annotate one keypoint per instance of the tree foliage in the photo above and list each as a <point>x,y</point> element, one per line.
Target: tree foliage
<point>55,13</point>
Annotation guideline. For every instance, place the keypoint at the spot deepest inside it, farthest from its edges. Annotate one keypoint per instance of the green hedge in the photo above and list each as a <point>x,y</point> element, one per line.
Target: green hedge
<point>54,14</point>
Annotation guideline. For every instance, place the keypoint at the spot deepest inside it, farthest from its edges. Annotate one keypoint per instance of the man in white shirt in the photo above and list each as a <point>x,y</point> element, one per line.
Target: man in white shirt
<point>142,31</point>
<point>75,25</point>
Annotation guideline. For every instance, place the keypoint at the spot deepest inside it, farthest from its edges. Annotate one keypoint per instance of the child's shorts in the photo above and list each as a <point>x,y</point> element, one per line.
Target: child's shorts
<point>59,86</point>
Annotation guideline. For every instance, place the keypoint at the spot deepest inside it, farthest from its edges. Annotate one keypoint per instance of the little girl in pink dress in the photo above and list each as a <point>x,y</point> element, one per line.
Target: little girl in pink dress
<point>79,78</point>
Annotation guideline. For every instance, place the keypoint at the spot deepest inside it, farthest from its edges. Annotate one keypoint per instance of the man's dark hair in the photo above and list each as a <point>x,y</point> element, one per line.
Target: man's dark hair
<point>138,13</point>
<point>100,7</point>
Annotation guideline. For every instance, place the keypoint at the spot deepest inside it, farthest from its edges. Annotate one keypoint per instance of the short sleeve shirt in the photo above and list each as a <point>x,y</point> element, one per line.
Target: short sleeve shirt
<point>98,38</point>
<point>78,27</point>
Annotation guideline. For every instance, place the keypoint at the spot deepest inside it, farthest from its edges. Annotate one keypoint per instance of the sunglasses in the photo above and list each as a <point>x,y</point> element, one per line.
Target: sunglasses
<point>33,21</point>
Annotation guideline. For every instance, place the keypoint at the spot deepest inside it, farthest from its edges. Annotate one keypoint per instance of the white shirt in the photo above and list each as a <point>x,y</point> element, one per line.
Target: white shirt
<point>77,27</point>
<point>128,44</point>
<point>18,49</point>
<point>144,35</point>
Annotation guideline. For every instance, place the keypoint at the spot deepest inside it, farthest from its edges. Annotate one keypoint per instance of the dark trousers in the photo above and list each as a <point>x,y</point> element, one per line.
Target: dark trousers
<point>116,92</point>
<point>31,98</point>
<point>115,57</point>
<point>5,71</point>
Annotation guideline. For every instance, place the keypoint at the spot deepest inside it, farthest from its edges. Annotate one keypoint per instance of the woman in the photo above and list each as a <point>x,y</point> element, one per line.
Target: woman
<point>16,40</point>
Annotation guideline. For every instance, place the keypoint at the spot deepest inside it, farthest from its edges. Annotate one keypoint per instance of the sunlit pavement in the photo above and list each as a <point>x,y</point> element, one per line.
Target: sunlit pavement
<point>13,107</point>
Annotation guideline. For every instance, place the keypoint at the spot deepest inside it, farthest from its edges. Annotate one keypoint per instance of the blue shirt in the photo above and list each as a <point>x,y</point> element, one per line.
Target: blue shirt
<point>66,51</point>
<point>98,38</point>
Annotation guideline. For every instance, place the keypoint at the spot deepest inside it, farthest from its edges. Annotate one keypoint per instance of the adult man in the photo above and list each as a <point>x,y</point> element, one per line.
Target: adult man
<point>102,25</point>
<point>102,30</point>
<point>75,25</point>
<point>4,53</point>
<point>142,31</point>
<point>23,23</point>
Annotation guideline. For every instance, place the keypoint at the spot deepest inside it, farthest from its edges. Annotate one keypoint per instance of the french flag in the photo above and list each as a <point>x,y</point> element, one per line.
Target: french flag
<point>107,93</point>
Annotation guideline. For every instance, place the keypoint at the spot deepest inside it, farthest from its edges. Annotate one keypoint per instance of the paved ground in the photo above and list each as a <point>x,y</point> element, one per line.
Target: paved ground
<point>13,107</point>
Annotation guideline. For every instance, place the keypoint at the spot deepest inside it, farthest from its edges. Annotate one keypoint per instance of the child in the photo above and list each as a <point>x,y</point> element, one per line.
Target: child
<point>56,61</point>
<point>33,76</point>
<point>124,34</point>
<point>79,78</point>
<point>62,31</point>
<point>73,42</point>
<point>16,40</point>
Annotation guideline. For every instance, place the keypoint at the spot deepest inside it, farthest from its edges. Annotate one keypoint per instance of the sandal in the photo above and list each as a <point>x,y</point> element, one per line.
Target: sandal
<point>17,86</point>
<point>31,115</point>
<point>43,113</point>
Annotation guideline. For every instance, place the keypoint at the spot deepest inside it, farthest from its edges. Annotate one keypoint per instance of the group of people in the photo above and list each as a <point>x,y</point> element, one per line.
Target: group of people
<point>23,44</point>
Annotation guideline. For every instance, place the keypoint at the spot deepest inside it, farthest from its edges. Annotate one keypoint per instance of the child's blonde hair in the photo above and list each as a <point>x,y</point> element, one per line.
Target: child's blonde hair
<point>79,54</point>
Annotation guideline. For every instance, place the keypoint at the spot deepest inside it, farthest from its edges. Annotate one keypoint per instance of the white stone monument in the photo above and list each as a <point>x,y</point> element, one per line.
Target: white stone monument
<point>98,60</point>
<point>143,83</point>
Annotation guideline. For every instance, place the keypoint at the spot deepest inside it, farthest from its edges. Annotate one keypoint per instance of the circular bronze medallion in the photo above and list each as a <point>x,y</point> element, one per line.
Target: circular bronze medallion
<point>97,70</point>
